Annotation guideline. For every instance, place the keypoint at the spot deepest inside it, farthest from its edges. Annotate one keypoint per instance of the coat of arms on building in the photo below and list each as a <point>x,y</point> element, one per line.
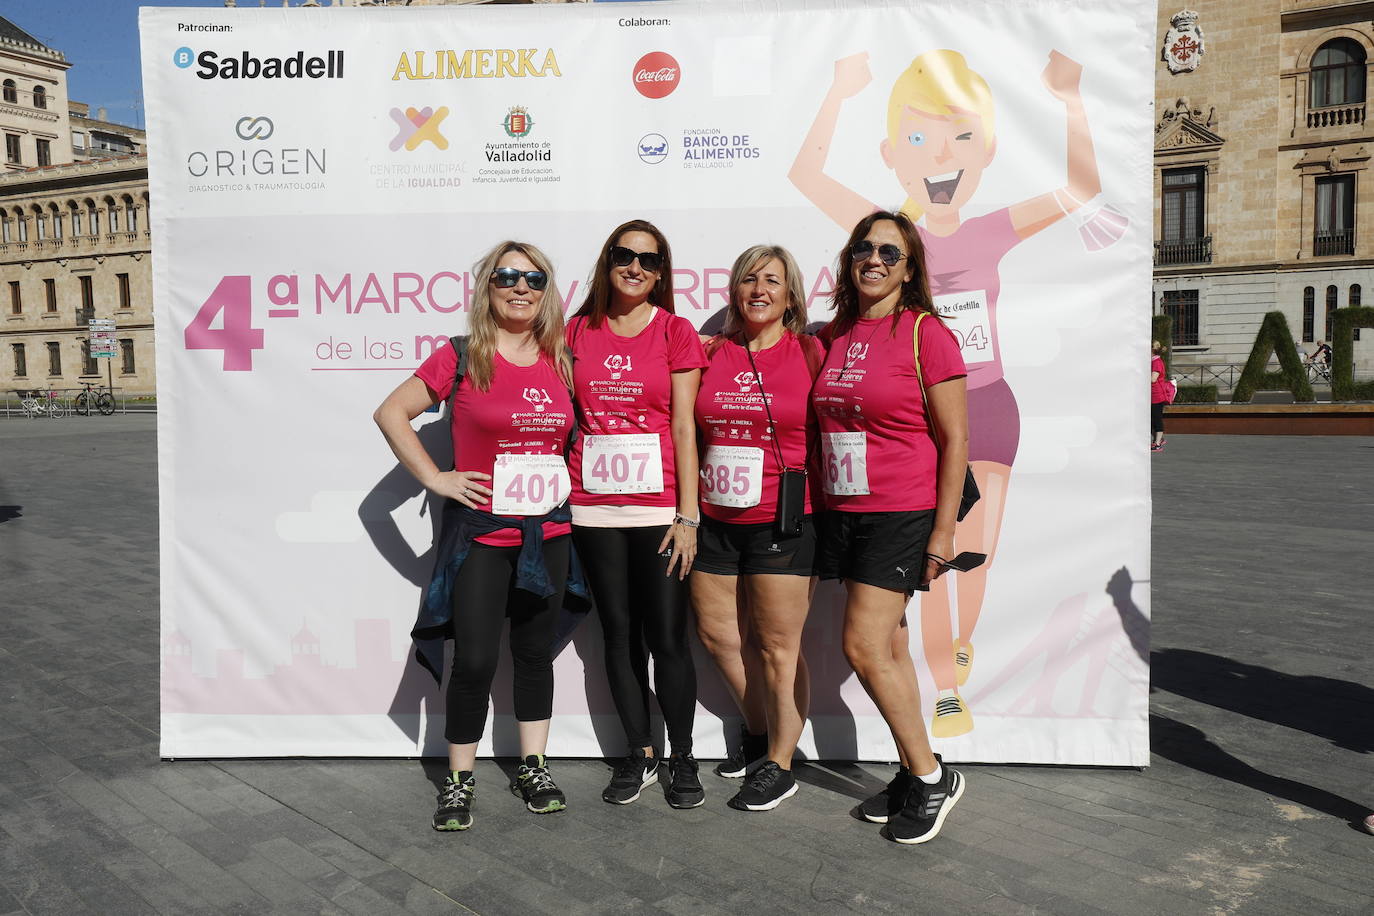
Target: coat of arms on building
<point>1183,45</point>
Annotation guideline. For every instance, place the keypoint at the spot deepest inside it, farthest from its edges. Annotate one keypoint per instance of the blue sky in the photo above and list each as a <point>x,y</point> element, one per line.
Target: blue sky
<point>100,39</point>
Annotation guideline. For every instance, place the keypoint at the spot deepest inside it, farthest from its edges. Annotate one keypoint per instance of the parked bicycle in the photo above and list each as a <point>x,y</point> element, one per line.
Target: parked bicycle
<point>43,404</point>
<point>95,396</point>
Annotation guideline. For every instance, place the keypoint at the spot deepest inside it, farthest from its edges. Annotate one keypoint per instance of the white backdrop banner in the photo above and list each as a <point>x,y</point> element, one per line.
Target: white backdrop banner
<point>323,180</point>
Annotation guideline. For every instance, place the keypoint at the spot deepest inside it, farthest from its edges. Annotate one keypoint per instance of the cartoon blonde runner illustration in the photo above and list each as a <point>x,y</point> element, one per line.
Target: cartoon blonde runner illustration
<point>940,139</point>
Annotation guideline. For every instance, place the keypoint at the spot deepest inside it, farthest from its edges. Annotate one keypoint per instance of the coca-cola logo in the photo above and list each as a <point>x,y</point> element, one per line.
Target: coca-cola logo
<point>656,74</point>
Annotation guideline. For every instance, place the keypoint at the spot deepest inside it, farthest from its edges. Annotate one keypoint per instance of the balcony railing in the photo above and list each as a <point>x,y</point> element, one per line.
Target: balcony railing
<point>1183,251</point>
<point>1340,241</point>
<point>1336,115</point>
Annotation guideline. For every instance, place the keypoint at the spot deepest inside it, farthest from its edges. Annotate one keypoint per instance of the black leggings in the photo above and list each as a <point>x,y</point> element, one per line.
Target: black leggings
<point>641,608</point>
<point>1157,417</point>
<point>484,595</point>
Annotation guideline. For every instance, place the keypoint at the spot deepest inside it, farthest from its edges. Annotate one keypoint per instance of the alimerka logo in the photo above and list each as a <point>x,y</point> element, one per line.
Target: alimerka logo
<point>210,65</point>
<point>415,126</point>
<point>482,63</point>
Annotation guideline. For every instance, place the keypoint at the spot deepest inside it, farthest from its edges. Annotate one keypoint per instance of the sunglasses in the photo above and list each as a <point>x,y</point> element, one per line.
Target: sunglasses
<point>506,277</point>
<point>649,260</point>
<point>888,254</point>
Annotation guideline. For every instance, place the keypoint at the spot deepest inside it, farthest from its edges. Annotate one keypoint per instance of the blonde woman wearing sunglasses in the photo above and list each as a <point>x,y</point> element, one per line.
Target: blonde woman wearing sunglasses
<point>503,550</point>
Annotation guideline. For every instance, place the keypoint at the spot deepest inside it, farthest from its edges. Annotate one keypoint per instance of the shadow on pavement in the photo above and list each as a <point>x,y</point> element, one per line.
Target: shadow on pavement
<point>1336,710</point>
<point>1188,746</point>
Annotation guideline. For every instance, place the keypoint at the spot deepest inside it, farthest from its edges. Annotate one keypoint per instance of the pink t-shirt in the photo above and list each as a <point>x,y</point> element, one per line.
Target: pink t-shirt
<point>525,410</point>
<point>1159,388</point>
<point>623,386</point>
<point>965,284</point>
<point>868,389</point>
<point>730,413</point>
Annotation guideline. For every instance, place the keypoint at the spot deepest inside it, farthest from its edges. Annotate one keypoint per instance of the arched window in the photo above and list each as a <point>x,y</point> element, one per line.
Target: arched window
<point>23,225</point>
<point>1337,74</point>
<point>130,215</point>
<point>76,218</point>
<point>10,92</point>
<point>5,227</point>
<point>56,221</point>
<point>1354,303</point>
<point>92,218</point>
<point>1331,294</point>
<point>1309,314</point>
<point>40,97</point>
<point>40,223</point>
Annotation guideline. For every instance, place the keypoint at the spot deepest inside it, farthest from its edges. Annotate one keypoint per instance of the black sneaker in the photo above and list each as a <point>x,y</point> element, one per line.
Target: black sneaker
<point>632,775</point>
<point>455,801</point>
<point>888,803</point>
<point>533,783</point>
<point>684,786</point>
<point>752,749</point>
<point>765,789</point>
<point>926,806</point>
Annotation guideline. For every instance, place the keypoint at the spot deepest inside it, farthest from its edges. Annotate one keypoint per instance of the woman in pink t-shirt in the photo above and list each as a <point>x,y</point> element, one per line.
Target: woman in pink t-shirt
<point>753,572</point>
<point>1159,396</point>
<point>509,484</point>
<point>893,472</point>
<point>636,367</point>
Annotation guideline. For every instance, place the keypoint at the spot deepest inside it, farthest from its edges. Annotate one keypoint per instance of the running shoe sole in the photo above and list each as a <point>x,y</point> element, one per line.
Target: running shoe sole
<point>766,806</point>
<point>683,807</point>
<point>649,779</point>
<point>548,809</point>
<point>452,824</point>
<point>933,832</point>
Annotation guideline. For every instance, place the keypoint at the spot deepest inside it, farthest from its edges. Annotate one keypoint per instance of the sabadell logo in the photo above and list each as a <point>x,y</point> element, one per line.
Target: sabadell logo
<point>211,65</point>
<point>656,74</point>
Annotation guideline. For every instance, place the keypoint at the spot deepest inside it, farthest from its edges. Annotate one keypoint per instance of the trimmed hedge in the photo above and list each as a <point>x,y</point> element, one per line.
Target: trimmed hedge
<point>1362,391</point>
<point>1196,394</point>
<point>1274,338</point>
<point>1162,330</point>
<point>1343,324</point>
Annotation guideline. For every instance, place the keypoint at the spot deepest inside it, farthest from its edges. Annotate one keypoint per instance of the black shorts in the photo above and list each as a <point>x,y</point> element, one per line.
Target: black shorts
<point>724,549</point>
<point>885,549</point>
<point>1157,417</point>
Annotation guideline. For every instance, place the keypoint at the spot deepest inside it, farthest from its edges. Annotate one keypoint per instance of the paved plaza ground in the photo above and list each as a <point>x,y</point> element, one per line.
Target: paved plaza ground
<point>1262,723</point>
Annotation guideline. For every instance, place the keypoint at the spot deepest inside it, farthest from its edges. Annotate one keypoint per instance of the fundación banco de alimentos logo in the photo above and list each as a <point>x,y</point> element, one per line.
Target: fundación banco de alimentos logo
<point>415,126</point>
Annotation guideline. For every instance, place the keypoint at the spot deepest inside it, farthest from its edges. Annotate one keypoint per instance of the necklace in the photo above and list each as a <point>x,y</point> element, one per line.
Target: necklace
<point>851,354</point>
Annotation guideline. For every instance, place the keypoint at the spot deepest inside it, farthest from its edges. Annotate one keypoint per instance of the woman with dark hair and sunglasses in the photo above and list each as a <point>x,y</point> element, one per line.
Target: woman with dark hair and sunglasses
<point>503,550</point>
<point>751,584</point>
<point>894,459</point>
<point>636,368</point>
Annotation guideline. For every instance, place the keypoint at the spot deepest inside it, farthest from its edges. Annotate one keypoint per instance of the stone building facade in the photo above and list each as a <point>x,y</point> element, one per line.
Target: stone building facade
<point>74,239</point>
<point>1262,146</point>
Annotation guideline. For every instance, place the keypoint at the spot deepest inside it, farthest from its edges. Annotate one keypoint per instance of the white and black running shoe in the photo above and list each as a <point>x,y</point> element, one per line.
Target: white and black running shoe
<point>924,813</point>
<point>765,789</point>
<point>455,802</point>
<point>632,775</point>
<point>684,785</point>
<point>752,749</point>
<point>884,806</point>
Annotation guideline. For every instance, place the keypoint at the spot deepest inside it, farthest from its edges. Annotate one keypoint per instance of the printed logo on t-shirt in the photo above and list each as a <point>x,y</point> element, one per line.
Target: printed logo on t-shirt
<point>618,364</point>
<point>857,351</point>
<point>538,397</point>
<point>747,380</point>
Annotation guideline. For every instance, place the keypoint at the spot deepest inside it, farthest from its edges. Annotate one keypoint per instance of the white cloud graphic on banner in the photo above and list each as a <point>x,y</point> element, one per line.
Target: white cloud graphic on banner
<point>332,519</point>
<point>1051,442</point>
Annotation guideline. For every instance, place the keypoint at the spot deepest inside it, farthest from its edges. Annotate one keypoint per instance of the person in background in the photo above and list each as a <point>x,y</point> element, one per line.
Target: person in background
<point>1159,396</point>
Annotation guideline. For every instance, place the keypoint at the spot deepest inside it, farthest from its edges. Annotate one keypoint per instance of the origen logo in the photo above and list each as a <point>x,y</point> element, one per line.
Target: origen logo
<point>653,148</point>
<point>538,397</point>
<point>415,126</point>
<point>656,74</point>
<point>251,128</point>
